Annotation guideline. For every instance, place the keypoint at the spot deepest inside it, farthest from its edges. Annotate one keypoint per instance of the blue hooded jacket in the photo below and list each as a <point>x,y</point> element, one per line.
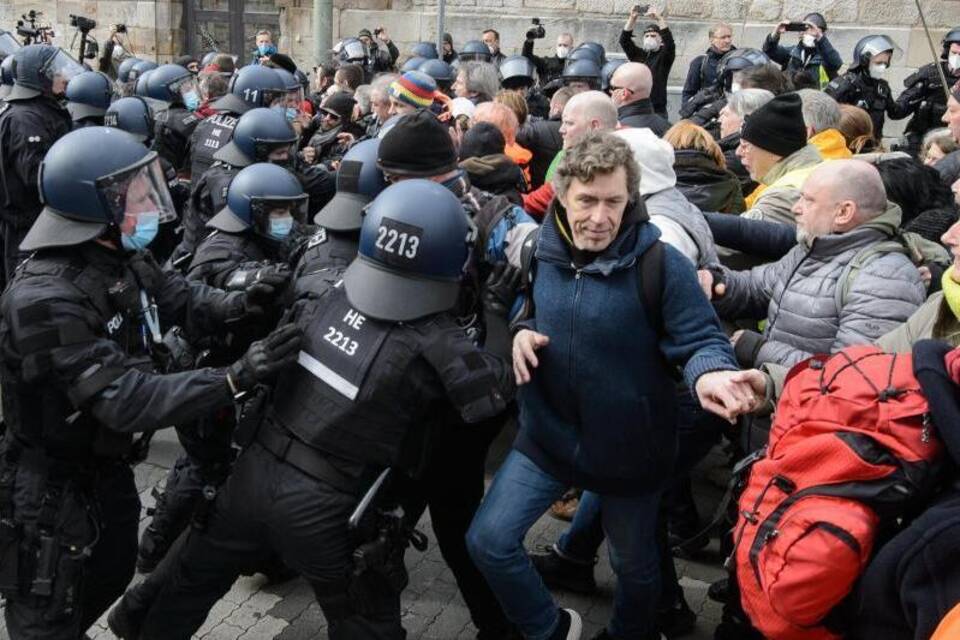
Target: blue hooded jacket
<point>600,410</point>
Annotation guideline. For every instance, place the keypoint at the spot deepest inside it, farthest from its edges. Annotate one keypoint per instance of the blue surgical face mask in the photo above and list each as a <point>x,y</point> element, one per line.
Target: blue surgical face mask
<point>288,112</point>
<point>266,49</point>
<point>191,100</point>
<point>148,225</point>
<point>280,227</point>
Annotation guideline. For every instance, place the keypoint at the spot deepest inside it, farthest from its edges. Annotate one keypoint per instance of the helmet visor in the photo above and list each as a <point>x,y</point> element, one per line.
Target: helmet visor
<point>185,85</point>
<point>881,44</point>
<point>265,208</point>
<point>140,188</point>
<point>262,149</point>
<point>8,44</point>
<point>60,69</point>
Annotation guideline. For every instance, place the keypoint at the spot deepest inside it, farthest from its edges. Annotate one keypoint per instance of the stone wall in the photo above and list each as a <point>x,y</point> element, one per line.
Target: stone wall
<point>154,26</point>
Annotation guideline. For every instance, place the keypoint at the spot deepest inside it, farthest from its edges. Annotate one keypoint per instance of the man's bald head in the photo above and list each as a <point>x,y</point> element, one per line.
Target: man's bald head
<point>587,111</point>
<point>631,81</point>
<point>837,197</point>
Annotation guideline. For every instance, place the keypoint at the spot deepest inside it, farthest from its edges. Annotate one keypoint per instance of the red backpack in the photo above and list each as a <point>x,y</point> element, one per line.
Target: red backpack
<point>851,442</point>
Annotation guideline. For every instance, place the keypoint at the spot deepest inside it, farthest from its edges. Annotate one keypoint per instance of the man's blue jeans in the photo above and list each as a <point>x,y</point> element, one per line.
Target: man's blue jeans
<point>522,492</point>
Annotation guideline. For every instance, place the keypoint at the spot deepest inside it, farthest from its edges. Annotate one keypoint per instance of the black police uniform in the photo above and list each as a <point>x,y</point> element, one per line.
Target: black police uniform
<point>323,252</point>
<point>223,260</point>
<point>28,128</point>
<point>354,407</point>
<point>207,138</point>
<point>207,196</point>
<point>175,126</point>
<point>856,87</point>
<point>78,379</point>
<point>924,98</point>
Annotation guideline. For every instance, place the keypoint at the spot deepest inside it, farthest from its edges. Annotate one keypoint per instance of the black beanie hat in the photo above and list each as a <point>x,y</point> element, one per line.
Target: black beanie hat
<point>777,126</point>
<point>418,145</point>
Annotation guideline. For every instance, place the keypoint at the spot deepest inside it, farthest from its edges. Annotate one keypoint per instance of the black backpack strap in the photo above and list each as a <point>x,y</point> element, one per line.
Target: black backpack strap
<point>650,283</point>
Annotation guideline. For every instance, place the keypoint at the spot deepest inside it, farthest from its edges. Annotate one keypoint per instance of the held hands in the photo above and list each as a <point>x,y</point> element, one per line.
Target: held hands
<point>525,345</point>
<point>729,394</point>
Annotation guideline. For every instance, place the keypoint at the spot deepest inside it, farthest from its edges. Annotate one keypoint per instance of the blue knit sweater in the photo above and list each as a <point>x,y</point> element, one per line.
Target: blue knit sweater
<point>600,410</point>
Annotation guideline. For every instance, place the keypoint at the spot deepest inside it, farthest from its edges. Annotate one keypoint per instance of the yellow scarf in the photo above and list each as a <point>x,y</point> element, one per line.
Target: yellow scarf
<point>951,291</point>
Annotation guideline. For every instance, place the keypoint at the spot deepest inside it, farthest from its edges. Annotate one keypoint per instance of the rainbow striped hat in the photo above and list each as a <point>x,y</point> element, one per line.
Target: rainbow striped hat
<point>414,88</point>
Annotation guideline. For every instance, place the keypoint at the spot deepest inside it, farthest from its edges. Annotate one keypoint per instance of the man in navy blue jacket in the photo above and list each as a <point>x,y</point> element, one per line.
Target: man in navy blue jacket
<point>600,411</point>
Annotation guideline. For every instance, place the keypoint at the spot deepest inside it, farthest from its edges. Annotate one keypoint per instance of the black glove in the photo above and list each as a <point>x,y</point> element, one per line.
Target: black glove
<point>264,286</point>
<point>264,359</point>
<point>149,274</point>
<point>500,289</point>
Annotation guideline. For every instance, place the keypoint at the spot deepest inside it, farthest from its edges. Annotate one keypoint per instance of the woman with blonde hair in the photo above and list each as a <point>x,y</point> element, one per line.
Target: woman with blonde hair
<point>702,174</point>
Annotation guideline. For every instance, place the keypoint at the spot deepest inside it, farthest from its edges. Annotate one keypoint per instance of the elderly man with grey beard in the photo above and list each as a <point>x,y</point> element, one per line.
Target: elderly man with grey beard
<point>836,287</point>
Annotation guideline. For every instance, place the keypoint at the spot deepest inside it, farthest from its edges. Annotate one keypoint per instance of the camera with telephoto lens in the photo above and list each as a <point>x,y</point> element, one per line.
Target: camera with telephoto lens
<point>81,23</point>
<point>121,28</point>
<point>537,31</point>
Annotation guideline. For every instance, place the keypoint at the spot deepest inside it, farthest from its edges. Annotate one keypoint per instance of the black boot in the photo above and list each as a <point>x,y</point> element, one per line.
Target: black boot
<point>677,621</point>
<point>561,573</point>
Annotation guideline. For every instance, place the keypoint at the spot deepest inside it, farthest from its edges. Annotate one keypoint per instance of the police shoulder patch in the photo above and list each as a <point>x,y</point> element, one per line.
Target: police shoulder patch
<point>317,238</point>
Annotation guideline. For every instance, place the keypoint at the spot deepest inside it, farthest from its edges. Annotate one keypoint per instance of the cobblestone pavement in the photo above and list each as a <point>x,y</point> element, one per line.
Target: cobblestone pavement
<point>432,608</point>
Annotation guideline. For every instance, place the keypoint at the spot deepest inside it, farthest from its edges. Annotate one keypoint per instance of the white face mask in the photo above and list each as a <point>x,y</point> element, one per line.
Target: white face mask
<point>562,51</point>
<point>877,71</point>
<point>809,41</point>
<point>953,61</point>
<point>651,43</point>
<point>734,87</point>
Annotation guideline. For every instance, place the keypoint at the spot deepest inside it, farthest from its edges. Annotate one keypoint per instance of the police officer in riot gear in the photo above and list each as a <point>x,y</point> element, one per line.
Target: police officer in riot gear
<point>261,135</point>
<point>133,115</point>
<point>474,51</point>
<point>581,73</point>
<point>125,84</point>
<point>31,120</point>
<point>82,370</point>
<point>419,146</point>
<point>333,245</point>
<point>88,96</point>
<point>177,87</point>
<point>704,107</point>
<point>250,243</point>
<point>254,86</point>
<point>442,73</point>
<point>864,86</point>
<point>518,74</point>
<point>381,351</point>
<point>923,95</point>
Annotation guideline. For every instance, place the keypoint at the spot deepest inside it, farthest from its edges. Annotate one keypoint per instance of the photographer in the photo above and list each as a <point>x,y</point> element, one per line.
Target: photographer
<point>813,55</point>
<point>657,52</point>
<point>383,53</point>
<point>551,67</point>
<point>113,51</point>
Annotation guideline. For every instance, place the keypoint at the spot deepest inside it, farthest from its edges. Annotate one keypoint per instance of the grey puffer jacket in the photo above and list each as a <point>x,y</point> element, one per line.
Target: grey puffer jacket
<point>671,203</point>
<point>800,296</point>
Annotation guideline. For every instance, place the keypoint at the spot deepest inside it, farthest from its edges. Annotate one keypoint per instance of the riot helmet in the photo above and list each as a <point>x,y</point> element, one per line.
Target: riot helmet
<point>42,69</point>
<point>174,84</point>
<point>474,51</point>
<point>517,72</point>
<point>6,77</point>
<point>352,50</point>
<point>440,71</point>
<point>359,181</point>
<point>869,46</point>
<point>597,49</point>
<point>584,53</point>
<point>139,68</point>
<point>293,96</point>
<point>582,71</point>
<point>208,58</point>
<point>258,133</point>
<point>427,50</point>
<point>120,190</point>
<point>89,95</point>
<point>415,243</point>
<point>264,198</point>
<point>412,64</point>
<point>123,71</point>
<point>133,115</point>
<point>256,86</point>
<point>952,37</point>
<point>738,60</point>
<point>606,73</point>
